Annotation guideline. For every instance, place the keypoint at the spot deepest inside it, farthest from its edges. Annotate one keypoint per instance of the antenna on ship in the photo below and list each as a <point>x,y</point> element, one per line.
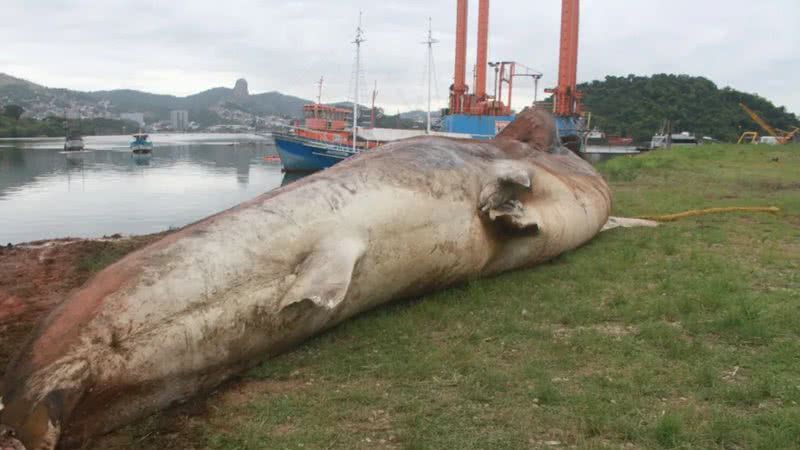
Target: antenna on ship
<point>319,91</point>
<point>359,39</point>
<point>429,43</point>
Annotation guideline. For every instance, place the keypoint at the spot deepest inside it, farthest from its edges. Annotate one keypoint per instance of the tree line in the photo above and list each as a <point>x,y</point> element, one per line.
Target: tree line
<point>637,106</point>
<point>12,124</point>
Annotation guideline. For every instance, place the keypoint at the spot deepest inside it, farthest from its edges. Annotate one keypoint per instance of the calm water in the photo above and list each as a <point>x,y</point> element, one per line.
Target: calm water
<point>599,153</point>
<point>46,194</point>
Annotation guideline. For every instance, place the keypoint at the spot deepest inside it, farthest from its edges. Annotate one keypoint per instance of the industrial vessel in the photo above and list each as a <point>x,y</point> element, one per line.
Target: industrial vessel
<point>324,139</point>
<point>476,113</point>
<point>483,115</point>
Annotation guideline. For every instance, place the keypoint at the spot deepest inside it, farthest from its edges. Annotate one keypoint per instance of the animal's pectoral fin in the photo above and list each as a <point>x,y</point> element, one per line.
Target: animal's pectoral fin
<point>500,199</point>
<point>324,277</point>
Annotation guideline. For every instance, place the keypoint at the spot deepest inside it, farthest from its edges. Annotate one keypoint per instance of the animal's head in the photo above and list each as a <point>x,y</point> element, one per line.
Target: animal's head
<point>48,377</point>
<point>37,398</point>
<point>539,199</point>
<point>30,422</point>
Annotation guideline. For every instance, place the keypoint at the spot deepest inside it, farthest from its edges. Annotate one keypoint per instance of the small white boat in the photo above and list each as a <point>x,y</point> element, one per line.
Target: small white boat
<point>73,142</point>
<point>685,138</point>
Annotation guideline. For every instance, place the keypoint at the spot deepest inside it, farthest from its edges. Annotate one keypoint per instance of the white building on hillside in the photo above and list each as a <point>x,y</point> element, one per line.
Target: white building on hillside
<point>179,119</point>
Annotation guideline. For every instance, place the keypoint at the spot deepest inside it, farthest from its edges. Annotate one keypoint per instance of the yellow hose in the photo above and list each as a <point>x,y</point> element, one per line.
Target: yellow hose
<point>702,212</point>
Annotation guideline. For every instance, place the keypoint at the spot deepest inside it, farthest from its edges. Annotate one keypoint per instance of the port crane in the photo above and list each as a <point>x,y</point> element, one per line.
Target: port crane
<point>566,97</point>
<point>480,113</point>
<point>567,106</point>
<point>781,136</point>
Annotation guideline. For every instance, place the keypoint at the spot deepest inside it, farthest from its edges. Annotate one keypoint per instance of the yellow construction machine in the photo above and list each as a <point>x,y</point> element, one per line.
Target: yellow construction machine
<point>778,136</point>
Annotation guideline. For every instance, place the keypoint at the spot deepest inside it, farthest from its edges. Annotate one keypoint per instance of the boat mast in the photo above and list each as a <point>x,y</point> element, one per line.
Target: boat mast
<point>430,43</point>
<point>372,112</point>
<point>319,91</point>
<point>359,39</point>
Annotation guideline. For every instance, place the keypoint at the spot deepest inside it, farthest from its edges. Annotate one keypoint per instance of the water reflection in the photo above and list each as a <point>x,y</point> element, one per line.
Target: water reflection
<point>289,177</point>
<point>45,193</point>
<point>141,160</point>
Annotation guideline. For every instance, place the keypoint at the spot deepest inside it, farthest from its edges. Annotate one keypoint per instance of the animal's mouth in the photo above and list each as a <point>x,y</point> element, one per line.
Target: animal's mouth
<point>8,439</point>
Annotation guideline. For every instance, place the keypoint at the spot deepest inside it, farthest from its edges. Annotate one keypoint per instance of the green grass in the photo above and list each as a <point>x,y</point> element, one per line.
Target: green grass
<point>100,254</point>
<point>685,336</point>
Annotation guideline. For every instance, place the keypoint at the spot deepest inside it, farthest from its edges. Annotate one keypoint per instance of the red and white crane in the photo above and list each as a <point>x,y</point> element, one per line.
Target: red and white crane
<point>566,97</point>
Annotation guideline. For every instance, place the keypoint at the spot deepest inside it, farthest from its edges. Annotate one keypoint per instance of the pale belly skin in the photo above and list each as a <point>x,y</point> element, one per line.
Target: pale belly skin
<point>182,315</point>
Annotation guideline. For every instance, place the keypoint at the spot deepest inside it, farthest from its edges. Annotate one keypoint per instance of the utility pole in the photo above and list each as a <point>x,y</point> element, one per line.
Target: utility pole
<point>669,134</point>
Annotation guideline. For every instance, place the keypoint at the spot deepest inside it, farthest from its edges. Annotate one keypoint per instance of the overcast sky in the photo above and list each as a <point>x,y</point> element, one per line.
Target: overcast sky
<point>182,47</point>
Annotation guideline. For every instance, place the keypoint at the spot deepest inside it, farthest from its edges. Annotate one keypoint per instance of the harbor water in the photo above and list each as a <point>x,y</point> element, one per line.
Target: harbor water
<point>47,194</point>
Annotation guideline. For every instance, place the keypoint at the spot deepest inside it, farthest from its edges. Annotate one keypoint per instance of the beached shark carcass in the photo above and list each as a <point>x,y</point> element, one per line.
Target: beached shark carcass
<point>187,312</point>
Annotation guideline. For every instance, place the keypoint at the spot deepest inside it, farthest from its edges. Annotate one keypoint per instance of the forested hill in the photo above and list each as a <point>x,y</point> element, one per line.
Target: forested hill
<point>637,106</point>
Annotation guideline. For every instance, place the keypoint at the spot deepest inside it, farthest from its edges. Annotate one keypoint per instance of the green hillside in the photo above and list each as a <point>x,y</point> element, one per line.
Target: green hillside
<point>201,106</point>
<point>637,106</point>
<point>54,127</point>
<point>197,104</point>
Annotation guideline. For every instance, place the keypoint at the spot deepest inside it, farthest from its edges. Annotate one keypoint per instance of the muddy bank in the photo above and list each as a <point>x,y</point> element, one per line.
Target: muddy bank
<point>35,277</point>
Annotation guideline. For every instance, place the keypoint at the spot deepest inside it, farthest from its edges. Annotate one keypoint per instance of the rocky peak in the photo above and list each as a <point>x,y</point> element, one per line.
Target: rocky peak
<point>240,90</point>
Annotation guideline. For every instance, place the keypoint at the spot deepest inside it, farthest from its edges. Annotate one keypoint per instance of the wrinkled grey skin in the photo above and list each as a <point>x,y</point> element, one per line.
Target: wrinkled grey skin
<point>183,314</point>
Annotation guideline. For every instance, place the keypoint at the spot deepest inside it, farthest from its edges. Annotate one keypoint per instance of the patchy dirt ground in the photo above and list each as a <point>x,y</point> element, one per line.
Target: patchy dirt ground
<point>35,277</point>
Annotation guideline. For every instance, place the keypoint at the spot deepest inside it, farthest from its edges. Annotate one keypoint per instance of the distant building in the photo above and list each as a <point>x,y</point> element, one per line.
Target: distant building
<point>179,119</point>
<point>133,117</point>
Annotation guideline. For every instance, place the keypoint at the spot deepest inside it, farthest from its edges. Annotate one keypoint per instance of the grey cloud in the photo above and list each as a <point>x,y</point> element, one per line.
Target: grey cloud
<point>182,47</point>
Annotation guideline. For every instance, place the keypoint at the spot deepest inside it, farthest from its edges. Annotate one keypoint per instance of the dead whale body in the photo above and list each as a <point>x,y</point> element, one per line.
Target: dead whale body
<point>185,313</point>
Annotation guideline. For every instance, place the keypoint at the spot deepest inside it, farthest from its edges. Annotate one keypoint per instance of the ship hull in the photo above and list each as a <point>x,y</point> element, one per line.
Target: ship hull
<point>477,126</point>
<point>300,154</point>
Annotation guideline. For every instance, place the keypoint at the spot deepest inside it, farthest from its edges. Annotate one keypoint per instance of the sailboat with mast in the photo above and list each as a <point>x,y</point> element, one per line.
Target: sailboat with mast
<point>324,139</point>
<point>73,141</point>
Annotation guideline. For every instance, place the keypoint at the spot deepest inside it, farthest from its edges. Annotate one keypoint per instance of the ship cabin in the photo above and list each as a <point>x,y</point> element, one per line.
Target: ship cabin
<point>326,123</point>
<point>324,117</point>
